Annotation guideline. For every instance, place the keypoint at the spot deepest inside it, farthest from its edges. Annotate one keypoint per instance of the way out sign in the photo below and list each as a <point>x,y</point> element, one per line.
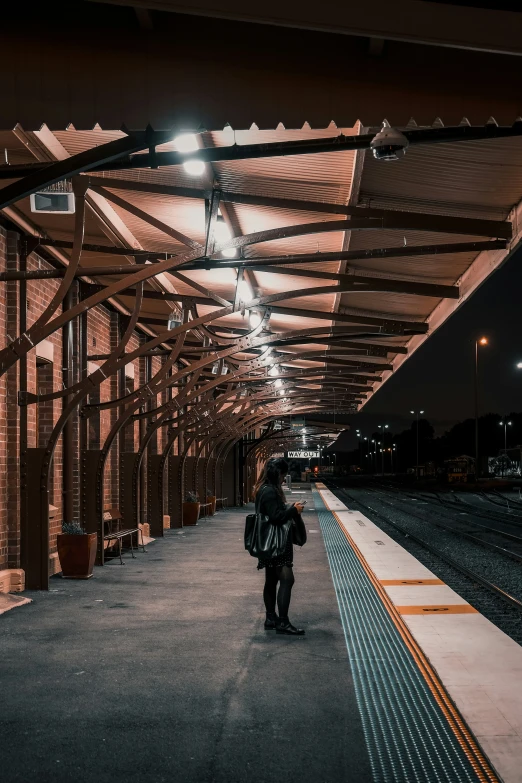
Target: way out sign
<point>302,454</point>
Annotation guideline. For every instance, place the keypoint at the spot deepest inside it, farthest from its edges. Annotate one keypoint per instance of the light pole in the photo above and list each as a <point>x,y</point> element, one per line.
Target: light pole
<point>382,428</point>
<point>505,424</point>
<point>417,413</point>
<point>482,341</point>
<point>374,451</point>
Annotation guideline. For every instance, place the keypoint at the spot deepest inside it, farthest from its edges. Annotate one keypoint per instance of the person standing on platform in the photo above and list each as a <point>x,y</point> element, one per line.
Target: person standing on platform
<point>271,504</point>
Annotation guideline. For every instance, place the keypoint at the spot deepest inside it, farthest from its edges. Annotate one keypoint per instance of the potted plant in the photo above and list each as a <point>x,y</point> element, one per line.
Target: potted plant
<point>191,508</point>
<point>76,551</point>
<point>211,499</point>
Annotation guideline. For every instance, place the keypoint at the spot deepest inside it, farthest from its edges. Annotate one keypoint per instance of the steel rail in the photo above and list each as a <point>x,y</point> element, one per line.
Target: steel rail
<point>442,555</point>
<point>478,525</point>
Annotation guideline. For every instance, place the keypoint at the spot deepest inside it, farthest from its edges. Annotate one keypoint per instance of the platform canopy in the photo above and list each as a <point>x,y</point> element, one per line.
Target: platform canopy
<point>310,270</point>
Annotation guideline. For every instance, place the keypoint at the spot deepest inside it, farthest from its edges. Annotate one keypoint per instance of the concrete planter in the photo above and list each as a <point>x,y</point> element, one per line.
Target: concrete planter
<point>212,499</point>
<point>190,513</point>
<point>77,555</point>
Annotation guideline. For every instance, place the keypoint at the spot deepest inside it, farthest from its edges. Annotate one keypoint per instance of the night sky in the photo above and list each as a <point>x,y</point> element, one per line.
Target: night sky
<point>438,378</point>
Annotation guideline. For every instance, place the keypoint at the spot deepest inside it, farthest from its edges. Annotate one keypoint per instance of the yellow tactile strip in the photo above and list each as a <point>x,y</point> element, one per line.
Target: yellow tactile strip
<point>440,609</point>
<point>390,582</point>
<point>467,742</point>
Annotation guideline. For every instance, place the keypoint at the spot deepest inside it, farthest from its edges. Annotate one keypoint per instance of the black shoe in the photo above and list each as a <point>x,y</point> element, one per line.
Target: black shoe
<point>271,622</point>
<point>286,627</point>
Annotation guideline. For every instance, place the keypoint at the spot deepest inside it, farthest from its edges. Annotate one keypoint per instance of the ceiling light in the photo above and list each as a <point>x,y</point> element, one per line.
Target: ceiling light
<point>186,142</point>
<point>278,383</point>
<point>245,291</point>
<point>194,167</point>
<point>254,319</point>
<point>273,371</point>
<point>221,231</point>
<point>231,252</point>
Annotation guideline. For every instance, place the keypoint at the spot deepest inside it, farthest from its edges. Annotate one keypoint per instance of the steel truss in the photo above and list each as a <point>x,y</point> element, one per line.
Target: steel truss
<point>224,377</point>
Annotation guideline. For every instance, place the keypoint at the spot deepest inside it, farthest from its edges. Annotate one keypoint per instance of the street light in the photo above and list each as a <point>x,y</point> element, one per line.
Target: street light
<point>480,341</point>
<point>417,413</point>
<point>382,427</point>
<point>505,424</point>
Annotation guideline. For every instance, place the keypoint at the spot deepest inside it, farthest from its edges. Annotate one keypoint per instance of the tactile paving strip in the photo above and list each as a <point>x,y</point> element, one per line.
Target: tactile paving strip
<point>407,730</point>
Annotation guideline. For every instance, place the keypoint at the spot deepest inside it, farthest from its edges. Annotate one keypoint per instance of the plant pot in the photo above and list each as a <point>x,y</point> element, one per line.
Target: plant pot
<point>77,555</point>
<point>212,499</point>
<point>190,513</point>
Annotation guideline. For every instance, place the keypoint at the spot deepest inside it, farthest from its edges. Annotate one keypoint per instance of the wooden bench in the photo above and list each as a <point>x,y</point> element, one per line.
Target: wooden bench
<point>223,502</point>
<point>203,507</point>
<point>115,531</point>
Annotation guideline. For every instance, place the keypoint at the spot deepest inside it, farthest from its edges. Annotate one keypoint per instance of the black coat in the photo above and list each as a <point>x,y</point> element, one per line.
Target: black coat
<point>270,503</point>
<point>267,531</point>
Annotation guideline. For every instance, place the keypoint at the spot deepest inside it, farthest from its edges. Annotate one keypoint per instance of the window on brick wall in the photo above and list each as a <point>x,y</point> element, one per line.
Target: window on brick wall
<point>128,436</point>
<point>44,410</point>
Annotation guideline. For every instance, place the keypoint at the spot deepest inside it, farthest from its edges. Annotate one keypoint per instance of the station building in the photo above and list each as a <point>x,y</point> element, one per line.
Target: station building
<point>215,220</point>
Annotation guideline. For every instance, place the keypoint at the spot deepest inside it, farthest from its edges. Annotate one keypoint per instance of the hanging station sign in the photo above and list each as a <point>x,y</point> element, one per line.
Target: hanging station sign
<point>297,423</point>
<point>303,454</point>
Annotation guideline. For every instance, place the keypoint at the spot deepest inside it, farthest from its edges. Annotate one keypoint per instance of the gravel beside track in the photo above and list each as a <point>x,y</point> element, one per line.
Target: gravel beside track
<point>497,569</point>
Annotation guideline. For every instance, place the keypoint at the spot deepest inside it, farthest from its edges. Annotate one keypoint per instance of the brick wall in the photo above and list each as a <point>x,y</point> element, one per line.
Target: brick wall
<point>44,376</point>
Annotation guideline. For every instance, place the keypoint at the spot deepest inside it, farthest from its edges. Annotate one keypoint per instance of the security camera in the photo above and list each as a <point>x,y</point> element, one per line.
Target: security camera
<point>389,143</point>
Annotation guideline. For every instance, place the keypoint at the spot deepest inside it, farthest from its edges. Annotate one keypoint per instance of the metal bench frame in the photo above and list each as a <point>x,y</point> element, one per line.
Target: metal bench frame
<point>118,535</point>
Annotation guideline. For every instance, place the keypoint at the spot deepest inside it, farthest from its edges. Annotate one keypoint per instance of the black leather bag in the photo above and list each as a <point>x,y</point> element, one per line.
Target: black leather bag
<point>299,531</point>
<point>263,539</point>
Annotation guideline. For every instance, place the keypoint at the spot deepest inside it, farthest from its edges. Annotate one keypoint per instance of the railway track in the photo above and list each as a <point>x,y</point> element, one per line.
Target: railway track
<point>499,605</point>
<point>493,538</point>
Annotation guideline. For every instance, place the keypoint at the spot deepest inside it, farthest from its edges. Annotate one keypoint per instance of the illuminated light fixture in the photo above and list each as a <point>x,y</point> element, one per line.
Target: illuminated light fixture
<point>273,371</point>
<point>215,368</point>
<point>483,341</point>
<point>519,365</point>
<point>282,391</point>
<point>245,291</point>
<point>174,320</point>
<point>224,370</point>
<point>186,142</point>
<point>194,167</point>
<point>278,383</point>
<point>254,319</point>
<point>223,234</point>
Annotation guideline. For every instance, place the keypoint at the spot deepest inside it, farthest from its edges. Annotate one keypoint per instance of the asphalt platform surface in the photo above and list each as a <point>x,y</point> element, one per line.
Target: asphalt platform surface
<point>161,671</point>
